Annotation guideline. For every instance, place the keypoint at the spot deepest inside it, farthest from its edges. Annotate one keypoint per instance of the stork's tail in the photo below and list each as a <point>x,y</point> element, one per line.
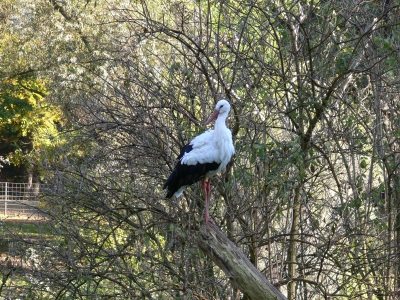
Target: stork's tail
<point>168,183</point>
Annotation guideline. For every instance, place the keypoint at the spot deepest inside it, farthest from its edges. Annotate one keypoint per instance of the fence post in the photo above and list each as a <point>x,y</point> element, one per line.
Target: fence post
<point>5,201</point>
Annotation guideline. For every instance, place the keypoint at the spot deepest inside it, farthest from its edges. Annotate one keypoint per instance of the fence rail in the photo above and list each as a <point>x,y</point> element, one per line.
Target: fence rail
<point>19,198</point>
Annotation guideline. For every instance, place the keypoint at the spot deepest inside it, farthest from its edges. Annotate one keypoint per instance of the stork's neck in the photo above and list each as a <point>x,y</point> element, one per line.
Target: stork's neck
<point>223,139</point>
<point>220,122</point>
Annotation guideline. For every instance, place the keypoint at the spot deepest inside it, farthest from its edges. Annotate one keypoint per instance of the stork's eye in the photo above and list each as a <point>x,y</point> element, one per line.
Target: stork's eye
<point>221,106</point>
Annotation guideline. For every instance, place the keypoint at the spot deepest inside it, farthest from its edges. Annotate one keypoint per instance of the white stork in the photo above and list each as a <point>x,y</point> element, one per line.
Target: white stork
<point>206,155</point>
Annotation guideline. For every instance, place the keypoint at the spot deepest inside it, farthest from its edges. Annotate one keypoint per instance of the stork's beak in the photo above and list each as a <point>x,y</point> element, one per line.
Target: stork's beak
<point>213,116</point>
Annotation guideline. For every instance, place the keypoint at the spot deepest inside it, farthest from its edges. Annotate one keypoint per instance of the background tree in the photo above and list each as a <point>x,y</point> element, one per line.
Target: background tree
<point>27,119</point>
<point>312,194</point>
<point>27,123</point>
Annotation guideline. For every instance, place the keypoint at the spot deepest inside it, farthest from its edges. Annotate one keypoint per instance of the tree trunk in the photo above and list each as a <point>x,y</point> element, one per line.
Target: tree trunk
<point>292,250</point>
<point>243,275</point>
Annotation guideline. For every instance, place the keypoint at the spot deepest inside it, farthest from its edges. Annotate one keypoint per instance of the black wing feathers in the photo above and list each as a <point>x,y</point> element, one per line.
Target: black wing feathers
<point>186,149</point>
<point>187,175</point>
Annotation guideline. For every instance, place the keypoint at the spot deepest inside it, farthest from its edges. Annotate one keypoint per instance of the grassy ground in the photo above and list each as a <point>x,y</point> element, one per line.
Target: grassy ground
<point>18,234</point>
<point>21,227</point>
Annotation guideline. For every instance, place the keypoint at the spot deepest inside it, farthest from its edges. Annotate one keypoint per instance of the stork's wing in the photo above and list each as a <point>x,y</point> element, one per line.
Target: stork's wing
<point>202,150</point>
<point>195,160</point>
<point>197,142</point>
<point>184,175</point>
<point>202,139</point>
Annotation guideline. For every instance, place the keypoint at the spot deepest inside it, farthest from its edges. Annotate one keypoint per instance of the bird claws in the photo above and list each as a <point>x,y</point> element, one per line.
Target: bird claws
<point>209,220</point>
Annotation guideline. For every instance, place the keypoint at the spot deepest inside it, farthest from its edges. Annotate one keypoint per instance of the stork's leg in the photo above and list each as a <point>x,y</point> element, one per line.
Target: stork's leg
<point>209,190</point>
<point>205,193</point>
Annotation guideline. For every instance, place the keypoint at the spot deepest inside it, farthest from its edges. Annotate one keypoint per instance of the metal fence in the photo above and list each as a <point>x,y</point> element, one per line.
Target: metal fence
<point>19,198</point>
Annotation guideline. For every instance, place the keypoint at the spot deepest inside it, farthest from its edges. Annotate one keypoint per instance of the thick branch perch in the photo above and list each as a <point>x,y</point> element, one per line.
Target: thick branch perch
<point>226,255</point>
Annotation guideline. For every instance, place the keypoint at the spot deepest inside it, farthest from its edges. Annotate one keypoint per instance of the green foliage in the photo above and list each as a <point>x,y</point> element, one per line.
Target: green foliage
<point>27,121</point>
<point>315,91</point>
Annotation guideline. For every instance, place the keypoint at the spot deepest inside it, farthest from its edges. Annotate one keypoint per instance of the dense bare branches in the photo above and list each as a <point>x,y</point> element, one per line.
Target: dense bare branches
<point>311,195</point>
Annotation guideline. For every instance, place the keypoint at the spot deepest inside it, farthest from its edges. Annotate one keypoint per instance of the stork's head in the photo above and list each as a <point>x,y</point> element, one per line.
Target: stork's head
<point>222,108</point>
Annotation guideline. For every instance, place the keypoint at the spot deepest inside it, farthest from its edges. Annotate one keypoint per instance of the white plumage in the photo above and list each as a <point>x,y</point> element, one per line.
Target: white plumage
<point>204,156</point>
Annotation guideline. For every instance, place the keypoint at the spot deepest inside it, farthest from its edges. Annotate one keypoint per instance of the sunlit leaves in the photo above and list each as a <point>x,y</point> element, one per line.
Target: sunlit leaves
<point>26,120</point>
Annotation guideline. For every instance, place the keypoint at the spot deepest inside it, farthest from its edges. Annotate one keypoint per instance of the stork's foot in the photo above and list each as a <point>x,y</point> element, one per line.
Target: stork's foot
<point>209,220</point>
